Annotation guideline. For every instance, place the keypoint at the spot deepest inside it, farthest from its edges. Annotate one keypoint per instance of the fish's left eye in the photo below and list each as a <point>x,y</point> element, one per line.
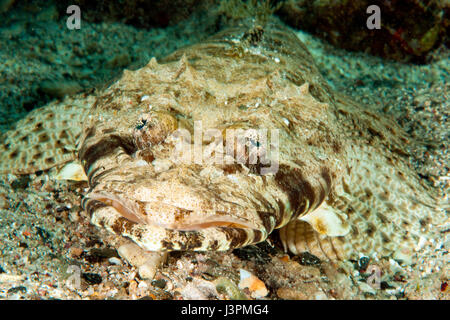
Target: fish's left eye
<point>141,124</point>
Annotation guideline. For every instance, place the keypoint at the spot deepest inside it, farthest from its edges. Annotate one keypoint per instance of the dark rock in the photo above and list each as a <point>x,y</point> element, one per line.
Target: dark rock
<point>363,263</point>
<point>409,28</point>
<point>261,253</point>
<point>384,285</point>
<point>45,235</point>
<point>23,245</point>
<point>160,283</point>
<point>92,278</point>
<point>308,259</point>
<point>17,289</point>
<point>21,182</point>
<point>97,255</point>
<point>93,240</point>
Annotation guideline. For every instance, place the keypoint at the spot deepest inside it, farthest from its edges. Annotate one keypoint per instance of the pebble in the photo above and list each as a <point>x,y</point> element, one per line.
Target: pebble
<point>74,216</point>
<point>363,263</point>
<point>291,294</point>
<point>142,285</point>
<point>147,262</point>
<point>191,292</point>
<point>321,296</point>
<point>100,254</point>
<point>10,277</point>
<point>421,243</point>
<point>199,289</point>
<point>366,288</point>
<point>395,267</point>
<point>75,252</point>
<point>115,261</point>
<point>148,270</point>
<point>14,290</point>
<point>21,183</point>
<point>256,287</point>
<point>228,287</point>
<point>307,259</point>
<point>4,203</point>
<point>160,283</point>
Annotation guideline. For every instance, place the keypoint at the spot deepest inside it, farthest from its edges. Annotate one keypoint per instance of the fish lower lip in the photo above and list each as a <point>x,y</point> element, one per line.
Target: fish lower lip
<point>234,223</point>
<point>191,221</point>
<point>128,209</point>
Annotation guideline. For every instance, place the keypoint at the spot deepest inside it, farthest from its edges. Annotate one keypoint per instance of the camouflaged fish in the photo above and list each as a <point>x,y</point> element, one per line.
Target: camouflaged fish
<point>342,186</point>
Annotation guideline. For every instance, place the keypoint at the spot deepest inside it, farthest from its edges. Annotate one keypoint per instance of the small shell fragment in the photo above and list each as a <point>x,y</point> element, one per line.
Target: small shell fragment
<point>256,287</point>
<point>11,277</point>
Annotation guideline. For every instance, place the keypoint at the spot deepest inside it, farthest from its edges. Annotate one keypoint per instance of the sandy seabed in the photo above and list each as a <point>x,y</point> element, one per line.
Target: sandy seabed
<point>48,248</point>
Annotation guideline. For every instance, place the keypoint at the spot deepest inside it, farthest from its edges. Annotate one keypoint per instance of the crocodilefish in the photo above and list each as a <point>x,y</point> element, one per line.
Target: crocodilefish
<point>221,142</point>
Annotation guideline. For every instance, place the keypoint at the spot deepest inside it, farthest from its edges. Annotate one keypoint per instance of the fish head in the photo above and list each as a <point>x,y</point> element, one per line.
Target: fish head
<point>162,171</point>
<point>146,185</point>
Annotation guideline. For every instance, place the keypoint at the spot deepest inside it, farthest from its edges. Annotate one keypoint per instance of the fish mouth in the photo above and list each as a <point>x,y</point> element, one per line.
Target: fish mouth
<point>182,207</point>
<point>165,215</point>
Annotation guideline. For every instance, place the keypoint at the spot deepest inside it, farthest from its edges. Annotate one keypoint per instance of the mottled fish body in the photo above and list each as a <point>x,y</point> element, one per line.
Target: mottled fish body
<point>341,183</point>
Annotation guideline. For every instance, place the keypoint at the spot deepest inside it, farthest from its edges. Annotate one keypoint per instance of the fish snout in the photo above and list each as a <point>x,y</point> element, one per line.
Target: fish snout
<point>181,219</point>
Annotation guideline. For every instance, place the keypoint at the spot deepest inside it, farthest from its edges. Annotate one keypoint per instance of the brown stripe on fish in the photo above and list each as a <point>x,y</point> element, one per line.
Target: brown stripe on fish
<point>282,211</point>
<point>199,241</point>
<point>89,153</point>
<point>300,192</point>
<point>167,245</point>
<point>240,237</point>
<point>326,176</point>
<point>91,205</point>
<point>268,220</point>
<point>90,133</point>
<point>93,177</point>
<point>107,146</point>
<point>257,236</point>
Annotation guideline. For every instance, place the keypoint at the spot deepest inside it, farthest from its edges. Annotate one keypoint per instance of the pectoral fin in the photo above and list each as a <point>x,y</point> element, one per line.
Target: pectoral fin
<point>327,221</point>
<point>72,171</point>
<point>45,138</point>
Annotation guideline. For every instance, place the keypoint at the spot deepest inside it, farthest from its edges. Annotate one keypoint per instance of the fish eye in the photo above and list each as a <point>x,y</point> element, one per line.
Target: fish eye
<point>141,124</point>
